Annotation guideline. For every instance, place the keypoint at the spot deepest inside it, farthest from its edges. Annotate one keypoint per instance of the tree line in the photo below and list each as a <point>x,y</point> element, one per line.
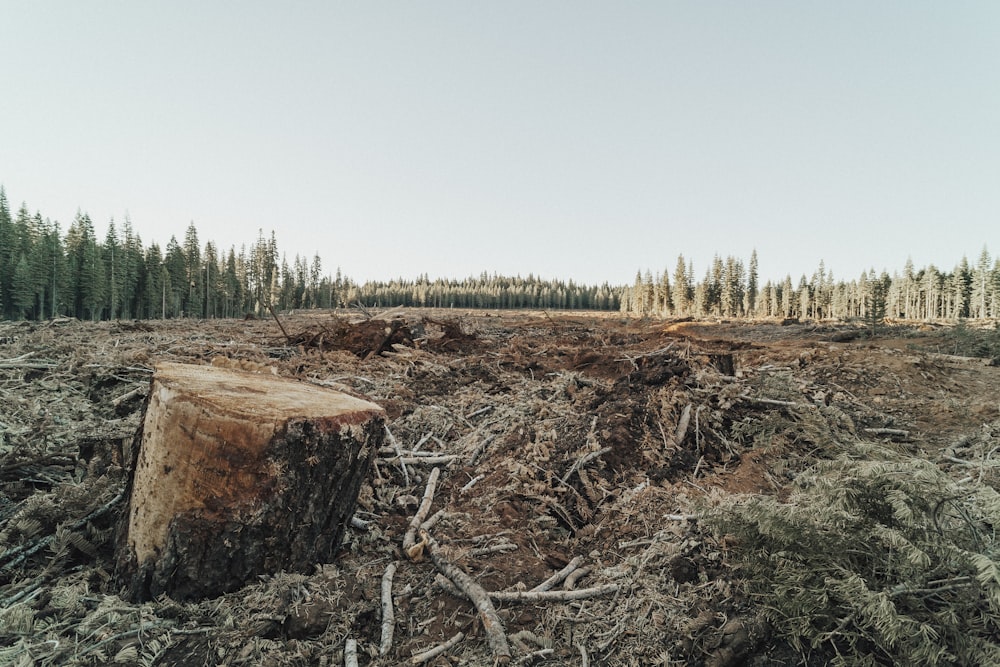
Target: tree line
<point>45,273</point>
<point>731,288</point>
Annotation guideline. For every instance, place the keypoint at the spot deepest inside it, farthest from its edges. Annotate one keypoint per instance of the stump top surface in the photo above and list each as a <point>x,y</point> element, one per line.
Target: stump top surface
<point>234,391</point>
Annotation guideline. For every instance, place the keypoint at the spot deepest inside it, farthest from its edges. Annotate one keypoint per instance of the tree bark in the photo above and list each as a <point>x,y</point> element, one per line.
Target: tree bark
<point>239,474</point>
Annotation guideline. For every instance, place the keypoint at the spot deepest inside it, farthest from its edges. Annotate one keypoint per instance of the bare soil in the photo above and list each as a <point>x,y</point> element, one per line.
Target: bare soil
<point>572,435</point>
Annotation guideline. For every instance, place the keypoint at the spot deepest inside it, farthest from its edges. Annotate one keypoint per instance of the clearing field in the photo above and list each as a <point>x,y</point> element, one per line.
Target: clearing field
<point>713,493</point>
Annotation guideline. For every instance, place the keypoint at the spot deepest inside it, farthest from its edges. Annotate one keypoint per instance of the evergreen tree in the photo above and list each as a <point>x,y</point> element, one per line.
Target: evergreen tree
<point>86,269</point>
<point>981,281</point>
<point>750,299</point>
<point>22,289</point>
<point>6,267</point>
<point>194,280</point>
<point>680,297</point>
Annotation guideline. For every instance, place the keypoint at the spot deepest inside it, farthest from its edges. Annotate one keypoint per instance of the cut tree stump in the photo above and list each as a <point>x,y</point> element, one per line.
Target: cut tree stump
<point>240,474</point>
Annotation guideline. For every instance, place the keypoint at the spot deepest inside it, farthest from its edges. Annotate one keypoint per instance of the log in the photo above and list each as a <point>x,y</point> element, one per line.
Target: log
<point>237,475</point>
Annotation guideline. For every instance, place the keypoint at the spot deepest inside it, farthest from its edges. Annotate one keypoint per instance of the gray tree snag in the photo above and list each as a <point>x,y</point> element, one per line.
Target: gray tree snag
<point>240,474</point>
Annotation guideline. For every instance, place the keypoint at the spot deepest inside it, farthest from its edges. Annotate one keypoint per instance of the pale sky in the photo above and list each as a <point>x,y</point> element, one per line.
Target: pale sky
<point>577,140</point>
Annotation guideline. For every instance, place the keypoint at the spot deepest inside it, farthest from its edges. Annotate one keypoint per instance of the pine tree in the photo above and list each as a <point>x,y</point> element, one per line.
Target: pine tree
<point>86,269</point>
<point>981,279</point>
<point>22,289</point>
<point>194,296</point>
<point>750,297</point>
<point>680,296</point>
<point>6,267</point>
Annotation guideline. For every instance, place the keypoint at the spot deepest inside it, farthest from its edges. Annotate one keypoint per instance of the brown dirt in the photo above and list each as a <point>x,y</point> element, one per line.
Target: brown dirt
<point>520,399</point>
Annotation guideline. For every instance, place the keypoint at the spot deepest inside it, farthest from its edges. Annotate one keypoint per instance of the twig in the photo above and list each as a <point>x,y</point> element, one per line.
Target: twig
<point>399,455</point>
<point>772,401</point>
<point>429,655</point>
<point>654,353</point>
<point>496,548</point>
<point>554,596</point>
<point>480,411</point>
<point>360,524</point>
<point>480,449</point>
<point>351,653</point>
<point>471,483</point>
<point>388,616</point>
<point>576,576</point>
<point>431,522</point>
<point>472,590</point>
<point>582,461</point>
<point>559,576</point>
<point>409,539</point>
<point>127,395</point>
<point>434,459</point>
<point>21,362</point>
<point>584,658</point>
<point>530,658</point>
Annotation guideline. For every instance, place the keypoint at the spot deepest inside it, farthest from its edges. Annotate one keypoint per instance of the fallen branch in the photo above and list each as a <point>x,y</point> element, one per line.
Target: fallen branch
<point>399,455</point>
<point>480,450</point>
<point>21,362</point>
<point>530,658</point>
<point>127,395</point>
<point>772,401</point>
<point>420,460</point>
<point>471,483</point>
<point>410,546</point>
<point>479,597</point>
<point>495,549</point>
<point>388,616</point>
<point>576,576</point>
<point>559,576</point>
<point>431,522</point>
<point>351,653</point>
<point>554,596</point>
<point>429,655</point>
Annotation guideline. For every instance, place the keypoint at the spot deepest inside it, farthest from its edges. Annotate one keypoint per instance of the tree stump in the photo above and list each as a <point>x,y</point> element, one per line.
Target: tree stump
<point>239,474</point>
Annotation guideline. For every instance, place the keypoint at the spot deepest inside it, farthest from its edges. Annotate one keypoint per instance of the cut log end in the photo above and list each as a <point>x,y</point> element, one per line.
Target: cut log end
<point>237,475</point>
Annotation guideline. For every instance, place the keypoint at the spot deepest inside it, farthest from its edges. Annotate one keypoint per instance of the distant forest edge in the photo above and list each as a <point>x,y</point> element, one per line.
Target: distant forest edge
<point>45,273</point>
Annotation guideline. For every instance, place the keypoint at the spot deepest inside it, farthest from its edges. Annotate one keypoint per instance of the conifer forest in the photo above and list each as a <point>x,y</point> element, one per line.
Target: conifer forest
<point>90,275</point>
<point>702,467</point>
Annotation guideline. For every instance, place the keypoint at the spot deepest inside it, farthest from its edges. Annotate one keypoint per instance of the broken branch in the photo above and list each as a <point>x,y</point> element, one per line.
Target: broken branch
<point>477,594</point>
<point>409,539</point>
<point>554,596</point>
<point>559,576</point>
<point>430,654</point>
<point>388,616</point>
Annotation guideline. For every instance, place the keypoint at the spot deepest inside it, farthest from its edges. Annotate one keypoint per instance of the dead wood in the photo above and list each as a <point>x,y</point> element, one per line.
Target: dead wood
<point>559,576</point>
<point>351,653</point>
<point>430,654</point>
<point>388,615</point>
<point>492,624</point>
<point>554,596</point>
<point>414,551</point>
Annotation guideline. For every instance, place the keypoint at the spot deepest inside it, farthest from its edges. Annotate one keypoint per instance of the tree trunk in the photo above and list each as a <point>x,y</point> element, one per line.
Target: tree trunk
<point>239,474</point>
